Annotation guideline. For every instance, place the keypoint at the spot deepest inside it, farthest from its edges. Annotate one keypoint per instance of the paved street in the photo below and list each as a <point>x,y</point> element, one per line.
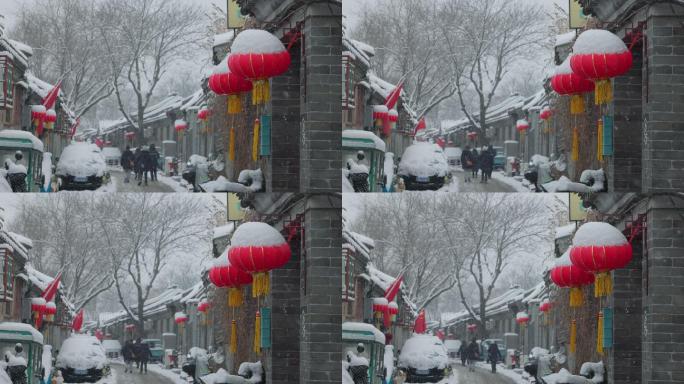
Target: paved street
<point>480,376</point>
<point>137,378</point>
<point>458,184</point>
<point>117,185</point>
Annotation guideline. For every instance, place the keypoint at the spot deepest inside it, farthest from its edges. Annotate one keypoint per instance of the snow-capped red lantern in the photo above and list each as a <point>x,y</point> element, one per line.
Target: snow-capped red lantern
<point>393,309</point>
<point>380,306</point>
<point>77,324</point>
<point>223,275</point>
<point>258,55</point>
<point>129,136</point>
<point>471,328</point>
<point>441,142</point>
<point>567,275</point>
<point>599,55</point>
<point>38,309</point>
<point>38,117</point>
<point>180,318</point>
<point>180,125</point>
<point>522,126</point>
<point>391,122</point>
<point>50,118</point>
<point>203,113</point>
<point>472,136</point>
<point>545,306</point>
<point>380,115</point>
<point>545,113</point>
<point>50,311</point>
<point>522,318</point>
<point>129,328</point>
<point>203,306</point>
<point>565,82</point>
<point>224,82</point>
<point>600,248</point>
<point>257,248</point>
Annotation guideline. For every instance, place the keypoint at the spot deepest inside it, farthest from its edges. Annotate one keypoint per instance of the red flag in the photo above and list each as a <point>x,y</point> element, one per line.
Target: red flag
<point>393,97</point>
<point>421,126</point>
<point>78,322</point>
<point>441,142</point>
<point>99,335</point>
<point>51,98</point>
<point>393,289</point>
<point>440,334</point>
<point>51,290</point>
<point>420,326</point>
<point>73,127</point>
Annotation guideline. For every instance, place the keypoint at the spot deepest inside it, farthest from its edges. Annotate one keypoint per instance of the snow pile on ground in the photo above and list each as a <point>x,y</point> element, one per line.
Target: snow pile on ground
<point>47,169</point>
<point>47,361</point>
<point>514,182</point>
<point>248,181</point>
<point>565,377</point>
<point>175,378</point>
<point>81,159</point>
<point>591,181</point>
<point>389,360</point>
<point>598,233</point>
<point>423,159</point>
<point>253,370</point>
<point>346,377</point>
<point>5,187</point>
<point>423,352</point>
<point>594,370</point>
<point>81,352</point>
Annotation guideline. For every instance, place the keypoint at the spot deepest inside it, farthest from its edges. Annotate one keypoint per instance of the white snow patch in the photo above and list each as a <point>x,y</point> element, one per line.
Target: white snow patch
<point>256,234</point>
<point>389,360</point>
<point>598,41</point>
<point>81,352</point>
<point>423,352</point>
<point>565,38</point>
<point>565,377</point>
<point>22,135</point>
<point>47,169</point>
<point>81,159</point>
<point>598,233</point>
<point>223,38</point>
<point>256,41</point>
<point>425,160</point>
<point>356,134</point>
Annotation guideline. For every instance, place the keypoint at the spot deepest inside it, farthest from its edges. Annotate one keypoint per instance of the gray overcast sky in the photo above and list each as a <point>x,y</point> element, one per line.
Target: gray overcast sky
<point>350,8</point>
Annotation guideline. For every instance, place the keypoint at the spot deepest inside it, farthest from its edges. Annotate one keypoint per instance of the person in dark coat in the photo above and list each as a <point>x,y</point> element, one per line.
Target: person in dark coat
<point>142,353</point>
<point>467,163</point>
<point>128,355</point>
<point>476,162</point>
<point>154,162</point>
<point>463,353</point>
<point>492,155</point>
<point>137,163</point>
<point>145,165</point>
<point>127,163</point>
<point>494,355</point>
<point>473,354</point>
<point>486,164</point>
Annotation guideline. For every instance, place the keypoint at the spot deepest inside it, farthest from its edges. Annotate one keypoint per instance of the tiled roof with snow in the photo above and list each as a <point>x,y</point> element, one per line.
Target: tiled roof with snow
<point>41,281</point>
<point>18,248</point>
<point>152,114</point>
<point>41,88</point>
<point>14,48</point>
<point>361,52</point>
<point>194,101</point>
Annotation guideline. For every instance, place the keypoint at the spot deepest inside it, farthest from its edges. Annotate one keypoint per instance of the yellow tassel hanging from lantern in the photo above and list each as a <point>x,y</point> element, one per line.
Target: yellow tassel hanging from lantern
<point>255,140</point>
<point>233,336</point>
<point>577,105</point>
<point>599,141</point>
<point>257,333</point>
<point>260,284</point>
<point>235,297</point>
<point>261,92</point>
<point>603,92</point>
<point>603,286</point>
<point>231,145</point>
<point>573,336</point>
<point>575,144</point>
<point>234,104</point>
<point>599,334</point>
<point>576,297</point>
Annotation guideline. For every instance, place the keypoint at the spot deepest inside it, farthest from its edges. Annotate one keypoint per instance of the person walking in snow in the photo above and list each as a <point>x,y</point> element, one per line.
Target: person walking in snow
<point>154,162</point>
<point>128,163</point>
<point>494,355</point>
<point>492,155</point>
<point>143,354</point>
<point>137,163</point>
<point>467,163</point>
<point>127,353</point>
<point>476,162</point>
<point>145,165</point>
<point>473,353</point>
<point>463,352</point>
<point>486,164</point>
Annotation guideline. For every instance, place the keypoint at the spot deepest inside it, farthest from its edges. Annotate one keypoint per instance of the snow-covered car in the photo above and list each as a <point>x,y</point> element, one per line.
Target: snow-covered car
<point>112,156</point>
<point>81,166</point>
<point>453,155</point>
<point>424,359</point>
<point>423,166</point>
<point>452,347</point>
<point>82,359</point>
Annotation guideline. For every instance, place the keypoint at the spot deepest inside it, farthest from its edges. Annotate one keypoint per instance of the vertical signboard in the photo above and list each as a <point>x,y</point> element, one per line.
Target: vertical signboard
<point>576,209</point>
<point>235,18</point>
<point>578,19</point>
<point>235,210</point>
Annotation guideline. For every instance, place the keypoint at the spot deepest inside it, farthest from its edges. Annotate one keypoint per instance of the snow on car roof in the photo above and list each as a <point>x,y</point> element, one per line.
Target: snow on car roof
<point>423,159</point>
<point>423,352</point>
<point>357,138</point>
<point>81,352</point>
<point>352,329</point>
<point>8,137</point>
<point>23,328</point>
<point>81,159</point>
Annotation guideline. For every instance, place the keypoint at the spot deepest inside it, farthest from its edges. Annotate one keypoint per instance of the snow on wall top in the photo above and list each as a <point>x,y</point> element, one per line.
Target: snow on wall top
<point>223,231</point>
<point>598,233</point>
<point>256,41</point>
<point>565,38</point>
<point>22,135</point>
<point>367,135</point>
<point>565,231</point>
<point>598,41</point>
<point>223,38</point>
<point>359,51</point>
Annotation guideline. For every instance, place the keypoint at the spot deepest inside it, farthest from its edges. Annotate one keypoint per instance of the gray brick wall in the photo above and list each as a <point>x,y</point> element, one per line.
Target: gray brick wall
<point>663,112</point>
<point>285,128</point>
<point>321,117</point>
<point>624,359</point>
<point>321,302</point>
<point>625,166</point>
<point>663,303</point>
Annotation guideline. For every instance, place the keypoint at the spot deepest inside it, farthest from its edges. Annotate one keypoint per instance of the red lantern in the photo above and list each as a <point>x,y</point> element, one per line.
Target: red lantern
<point>38,116</point>
<point>472,136</point>
<point>522,318</point>
<point>99,335</point>
<point>393,309</point>
<point>545,113</point>
<point>600,248</point>
<point>38,309</point>
<point>77,324</point>
<point>224,82</point>
<point>223,275</point>
<point>203,306</point>
<point>441,142</point>
<point>391,122</point>
<point>522,126</point>
<point>545,306</point>
<point>129,328</point>
<point>50,312</point>
<point>599,55</point>
<point>567,275</point>
<point>258,55</point>
<point>180,125</point>
<point>472,328</point>
<point>203,113</point>
<point>380,115</point>
<point>180,318</point>
<point>256,249</point>
<point>50,119</point>
<point>566,82</point>
<point>129,136</point>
